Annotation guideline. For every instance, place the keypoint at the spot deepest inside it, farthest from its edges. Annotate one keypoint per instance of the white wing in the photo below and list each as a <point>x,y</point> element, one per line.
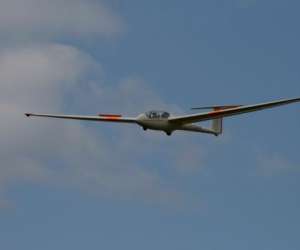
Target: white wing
<point>100,118</point>
<point>229,112</point>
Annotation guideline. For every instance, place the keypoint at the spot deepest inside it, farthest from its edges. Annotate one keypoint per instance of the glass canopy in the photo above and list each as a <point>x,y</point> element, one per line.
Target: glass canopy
<point>157,115</point>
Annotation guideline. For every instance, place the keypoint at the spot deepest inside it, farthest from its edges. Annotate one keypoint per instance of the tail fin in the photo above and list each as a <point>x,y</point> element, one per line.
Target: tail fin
<point>217,126</point>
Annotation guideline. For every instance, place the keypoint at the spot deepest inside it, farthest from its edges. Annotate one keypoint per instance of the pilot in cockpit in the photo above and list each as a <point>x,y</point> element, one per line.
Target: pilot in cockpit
<point>157,115</point>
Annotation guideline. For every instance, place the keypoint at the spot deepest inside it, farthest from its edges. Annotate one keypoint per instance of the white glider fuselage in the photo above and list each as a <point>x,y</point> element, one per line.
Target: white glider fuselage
<point>160,121</point>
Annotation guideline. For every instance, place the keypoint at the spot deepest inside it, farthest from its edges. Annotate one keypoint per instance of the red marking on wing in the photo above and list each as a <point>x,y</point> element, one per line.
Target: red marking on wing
<point>223,108</point>
<point>226,107</point>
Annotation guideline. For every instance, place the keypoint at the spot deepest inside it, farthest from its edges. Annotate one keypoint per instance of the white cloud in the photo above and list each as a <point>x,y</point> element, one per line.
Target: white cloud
<point>131,95</point>
<point>36,70</point>
<point>32,78</point>
<point>47,77</point>
<point>44,18</point>
<point>50,77</point>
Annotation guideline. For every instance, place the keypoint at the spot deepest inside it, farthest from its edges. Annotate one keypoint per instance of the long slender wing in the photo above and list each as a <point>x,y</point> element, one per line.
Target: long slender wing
<point>229,112</point>
<point>100,118</point>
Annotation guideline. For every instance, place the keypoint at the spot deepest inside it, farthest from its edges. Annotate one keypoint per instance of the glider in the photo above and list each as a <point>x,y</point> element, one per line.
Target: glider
<point>163,121</point>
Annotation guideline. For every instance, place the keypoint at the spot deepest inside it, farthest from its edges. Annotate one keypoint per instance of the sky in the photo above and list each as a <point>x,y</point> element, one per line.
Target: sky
<point>77,185</point>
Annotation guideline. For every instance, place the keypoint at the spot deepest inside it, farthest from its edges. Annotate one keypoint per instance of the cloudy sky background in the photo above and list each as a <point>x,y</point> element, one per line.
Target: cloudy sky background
<point>74,185</point>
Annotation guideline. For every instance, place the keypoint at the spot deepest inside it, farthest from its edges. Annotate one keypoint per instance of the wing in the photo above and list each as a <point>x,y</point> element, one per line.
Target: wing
<point>229,112</point>
<point>217,107</point>
<point>100,118</point>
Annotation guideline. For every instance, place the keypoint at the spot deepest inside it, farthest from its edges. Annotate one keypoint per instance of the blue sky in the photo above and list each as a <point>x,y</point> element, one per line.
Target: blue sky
<point>74,185</point>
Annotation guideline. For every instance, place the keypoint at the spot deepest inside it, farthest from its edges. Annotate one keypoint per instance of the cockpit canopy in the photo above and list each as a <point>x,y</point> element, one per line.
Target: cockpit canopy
<point>157,114</point>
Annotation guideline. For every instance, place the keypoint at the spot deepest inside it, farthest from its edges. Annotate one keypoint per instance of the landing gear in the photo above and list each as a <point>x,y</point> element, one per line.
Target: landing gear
<point>169,133</point>
<point>144,128</point>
